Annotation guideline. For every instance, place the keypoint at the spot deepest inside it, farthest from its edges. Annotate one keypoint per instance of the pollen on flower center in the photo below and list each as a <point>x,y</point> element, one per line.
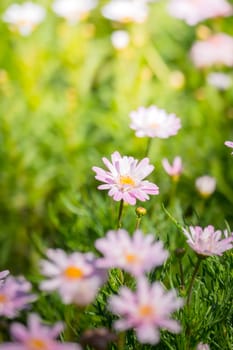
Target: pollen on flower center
<point>73,272</point>
<point>126,19</point>
<point>37,344</point>
<point>3,298</point>
<point>131,258</point>
<point>127,180</point>
<point>146,310</point>
<point>154,125</point>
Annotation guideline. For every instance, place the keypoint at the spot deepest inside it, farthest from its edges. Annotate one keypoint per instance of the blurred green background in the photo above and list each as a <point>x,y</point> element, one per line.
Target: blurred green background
<point>66,94</point>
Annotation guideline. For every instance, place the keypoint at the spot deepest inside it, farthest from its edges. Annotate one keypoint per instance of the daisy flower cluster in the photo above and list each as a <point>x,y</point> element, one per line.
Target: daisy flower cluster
<point>195,11</point>
<point>214,48</point>
<point>150,307</point>
<point>25,17</point>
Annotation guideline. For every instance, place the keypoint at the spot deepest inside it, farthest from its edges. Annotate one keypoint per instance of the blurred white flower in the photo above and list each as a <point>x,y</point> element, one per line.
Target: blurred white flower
<point>205,185</point>
<point>120,39</point>
<point>154,122</point>
<point>73,10</point>
<point>24,17</point>
<point>219,80</point>
<point>217,49</point>
<point>194,11</point>
<point>126,11</point>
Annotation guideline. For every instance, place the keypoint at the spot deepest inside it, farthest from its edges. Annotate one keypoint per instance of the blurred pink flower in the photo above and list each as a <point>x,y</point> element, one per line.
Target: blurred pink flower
<point>74,276</point>
<point>124,180</point>
<point>194,11</point>
<point>125,11</point>
<point>229,144</point>
<point>154,122</point>
<point>24,17</point>
<point>37,336</point>
<point>217,49</point>
<point>206,241</point>
<point>202,346</point>
<point>221,81</point>
<point>205,185</point>
<point>73,10</point>
<point>174,169</point>
<point>3,275</point>
<point>146,310</point>
<point>137,254</point>
<point>14,295</point>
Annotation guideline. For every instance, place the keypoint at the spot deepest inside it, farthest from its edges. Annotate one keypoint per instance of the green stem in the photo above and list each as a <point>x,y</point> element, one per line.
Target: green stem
<point>120,214</point>
<point>157,64</point>
<point>181,274</point>
<point>138,221</point>
<point>121,341</point>
<point>192,281</point>
<point>149,141</point>
<point>173,193</point>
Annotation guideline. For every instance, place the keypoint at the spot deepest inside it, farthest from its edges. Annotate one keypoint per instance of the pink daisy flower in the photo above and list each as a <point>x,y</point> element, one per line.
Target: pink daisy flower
<point>3,275</point>
<point>37,336</point>
<point>74,276</point>
<point>175,169</point>
<point>154,122</point>
<point>194,11</point>
<point>229,144</point>
<point>14,295</point>
<point>207,241</point>
<point>217,49</point>
<point>146,310</point>
<point>137,254</point>
<point>124,180</point>
<point>202,346</point>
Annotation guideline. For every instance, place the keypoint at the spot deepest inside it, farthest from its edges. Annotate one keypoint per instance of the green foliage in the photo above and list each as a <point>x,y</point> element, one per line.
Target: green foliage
<point>66,94</point>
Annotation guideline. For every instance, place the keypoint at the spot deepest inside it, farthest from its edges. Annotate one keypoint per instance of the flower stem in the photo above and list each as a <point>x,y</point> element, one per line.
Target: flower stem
<point>192,281</point>
<point>121,341</point>
<point>120,213</point>
<point>181,274</point>
<point>138,221</point>
<point>149,141</point>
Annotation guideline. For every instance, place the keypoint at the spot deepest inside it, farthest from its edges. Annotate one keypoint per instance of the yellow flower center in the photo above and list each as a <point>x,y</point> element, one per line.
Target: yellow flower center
<point>3,298</point>
<point>37,344</point>
<point>126,19</point>
<point>146,310</point>
<point>73,272</point>
<point>127,180</point>
<point>131,258</point>
<point>154,125</point>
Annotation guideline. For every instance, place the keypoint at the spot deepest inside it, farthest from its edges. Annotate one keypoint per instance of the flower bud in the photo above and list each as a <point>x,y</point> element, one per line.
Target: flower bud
<point>98,338</point>
<point>140,211</point>
<point>180,252</point>
<point>205,185</point>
